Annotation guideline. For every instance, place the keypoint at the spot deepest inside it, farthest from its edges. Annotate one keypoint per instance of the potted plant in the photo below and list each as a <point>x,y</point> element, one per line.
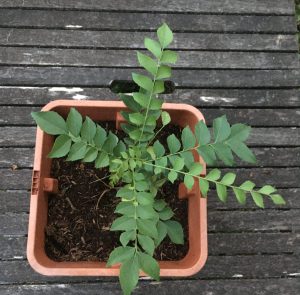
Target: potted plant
<point>140,155</point>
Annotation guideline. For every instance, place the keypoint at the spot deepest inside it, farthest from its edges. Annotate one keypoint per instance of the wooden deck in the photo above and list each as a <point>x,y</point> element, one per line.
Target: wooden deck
<point>237,57</point>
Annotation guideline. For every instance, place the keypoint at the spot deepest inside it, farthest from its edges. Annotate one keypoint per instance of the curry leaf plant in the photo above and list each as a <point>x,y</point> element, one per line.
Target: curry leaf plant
<point>139,165</point>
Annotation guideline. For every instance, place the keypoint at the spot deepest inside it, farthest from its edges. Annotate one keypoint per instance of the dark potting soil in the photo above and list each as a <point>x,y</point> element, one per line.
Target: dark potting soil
<point>80,215</point>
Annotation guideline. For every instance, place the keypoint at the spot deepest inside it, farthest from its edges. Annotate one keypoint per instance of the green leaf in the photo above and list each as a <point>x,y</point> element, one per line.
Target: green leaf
<point>165,117</point>
<point>221,129</point>
<point>127,236</point>
<point>162,232</point>
<point>159,204</point>
<point>166,213</point>
<point>188,158</point>
<point>130,102</point>
<point>149,265</point>
<point>240,195</point>
<point>188,139</point>
<point>123,223</point>
<point>204,186</point>
<point>202,133</point>
<point>100,136</point>
<point>119,255</point>
<point>242,151</point>
<point>143,81</point>
<point>163,72</point>
<point>155,104</point>
<point>208,154</point>
<point>141,186</point>
<point>91,155</point>
<point>267,190</point>
<point>196,169</point>
<point>88,130</point>
<point>50,122</point>
<point>147,63</point>
<point>74,122</point>
<point>125,208</point>
<point>119,149</point>
<point>145,198</point>
<point>228,178</point>
<point>214,174</point>
<point>102,160</point>
<point>141,98</point>
<point>159,149</point>
<point>153,46</point>
<point>136,118</point>
<point>173,143</point>
<point>110,142</point>
<point>146,243</point>
<point>224,154</point>
<point>165,35</point>
<point>147,227</point>
<point>125,193</point>
<point>188,181</point>
<point>247,185</point>
<point>258,199</point>
<point>175,231</point>
<point>169,57</point>
<point>221,192</point>
<point>159,87</point>
<point>178,163</point>
<point>146,212</point>
<point>129,275</point>
<point>172,176</point>
<point>239,132</point>
<point>77,151</point>
<point>61,146</point>
<point>277,199</point>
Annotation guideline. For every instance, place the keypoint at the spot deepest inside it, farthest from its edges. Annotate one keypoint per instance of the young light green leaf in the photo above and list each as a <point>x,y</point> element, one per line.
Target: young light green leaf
<point>177,162</point>
<point>147,63</point>
<point>141,98</point>
<point>74,122</point>
<point>163,72</point>
<point>172,176</point>
<point>123,223</point>
<point>136,119</point>
<point>149,265</point>
<point>258,199</point>
<point>277,199</point>
<point>221,192</point>
<point>153,46</point>
<point>50,122</point>
<point>165,35</point>
<point>240,195</point>
<point>204,186</point>
<point>90,155</point>
<point>159,87</point>
<point>175,231</point>
<point>188,139</point>
<point>196,169</point>
<point>102,160</point>
<point>267,190</point>
<point>228,178</point>
<point>129,275</point>
<point>173,143</point>
<point>147,227</point>
<point>188,181</point>
<point>77,151</point>
<point>214,174</point>
<point>146,243</point>
<point>169,57</point>
<point>119,255</point>
<point>221,129</point>
<point>88,130</point>
<point>61,146</point>
<point>127,236</point>
<point>247,185</point>
<point>143,81</point>
<point>165,117</point>
<point>202,133</point>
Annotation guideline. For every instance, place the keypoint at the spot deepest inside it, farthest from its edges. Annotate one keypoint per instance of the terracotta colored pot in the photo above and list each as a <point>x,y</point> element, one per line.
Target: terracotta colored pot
<point>42,185</point>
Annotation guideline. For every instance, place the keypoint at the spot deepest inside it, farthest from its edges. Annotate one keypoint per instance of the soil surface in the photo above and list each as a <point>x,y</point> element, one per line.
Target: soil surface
<point>80,215</point>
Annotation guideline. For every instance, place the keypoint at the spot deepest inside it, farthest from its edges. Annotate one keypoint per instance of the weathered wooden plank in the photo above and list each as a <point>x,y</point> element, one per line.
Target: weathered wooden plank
<point>127,58</point>
<point>266,157</point>
<point>135,40</point>
<point>287,286</point>
<point>14,248</point>
<point>14,95</point>
<point>217,267</point>
<point>61,76</point>
<point>20,115</point>
<point>259,137</point>
<point>217,6</point>
<point>14,201</point>
<point>218,221</point>
<point>55,19</point>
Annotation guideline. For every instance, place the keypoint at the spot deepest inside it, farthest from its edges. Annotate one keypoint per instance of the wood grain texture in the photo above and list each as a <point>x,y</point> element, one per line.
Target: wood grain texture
<point>20,95</point>
<point>135,40</point>
<point>96,20</point>
<point>127,58</point>
<point>287,286</point>
<point>25,137</point>
<point>232,6</point>
<point>62,76</point>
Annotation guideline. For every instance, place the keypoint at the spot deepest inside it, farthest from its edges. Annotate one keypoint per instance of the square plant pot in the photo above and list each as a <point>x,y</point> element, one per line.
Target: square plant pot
<point>43,185</point>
